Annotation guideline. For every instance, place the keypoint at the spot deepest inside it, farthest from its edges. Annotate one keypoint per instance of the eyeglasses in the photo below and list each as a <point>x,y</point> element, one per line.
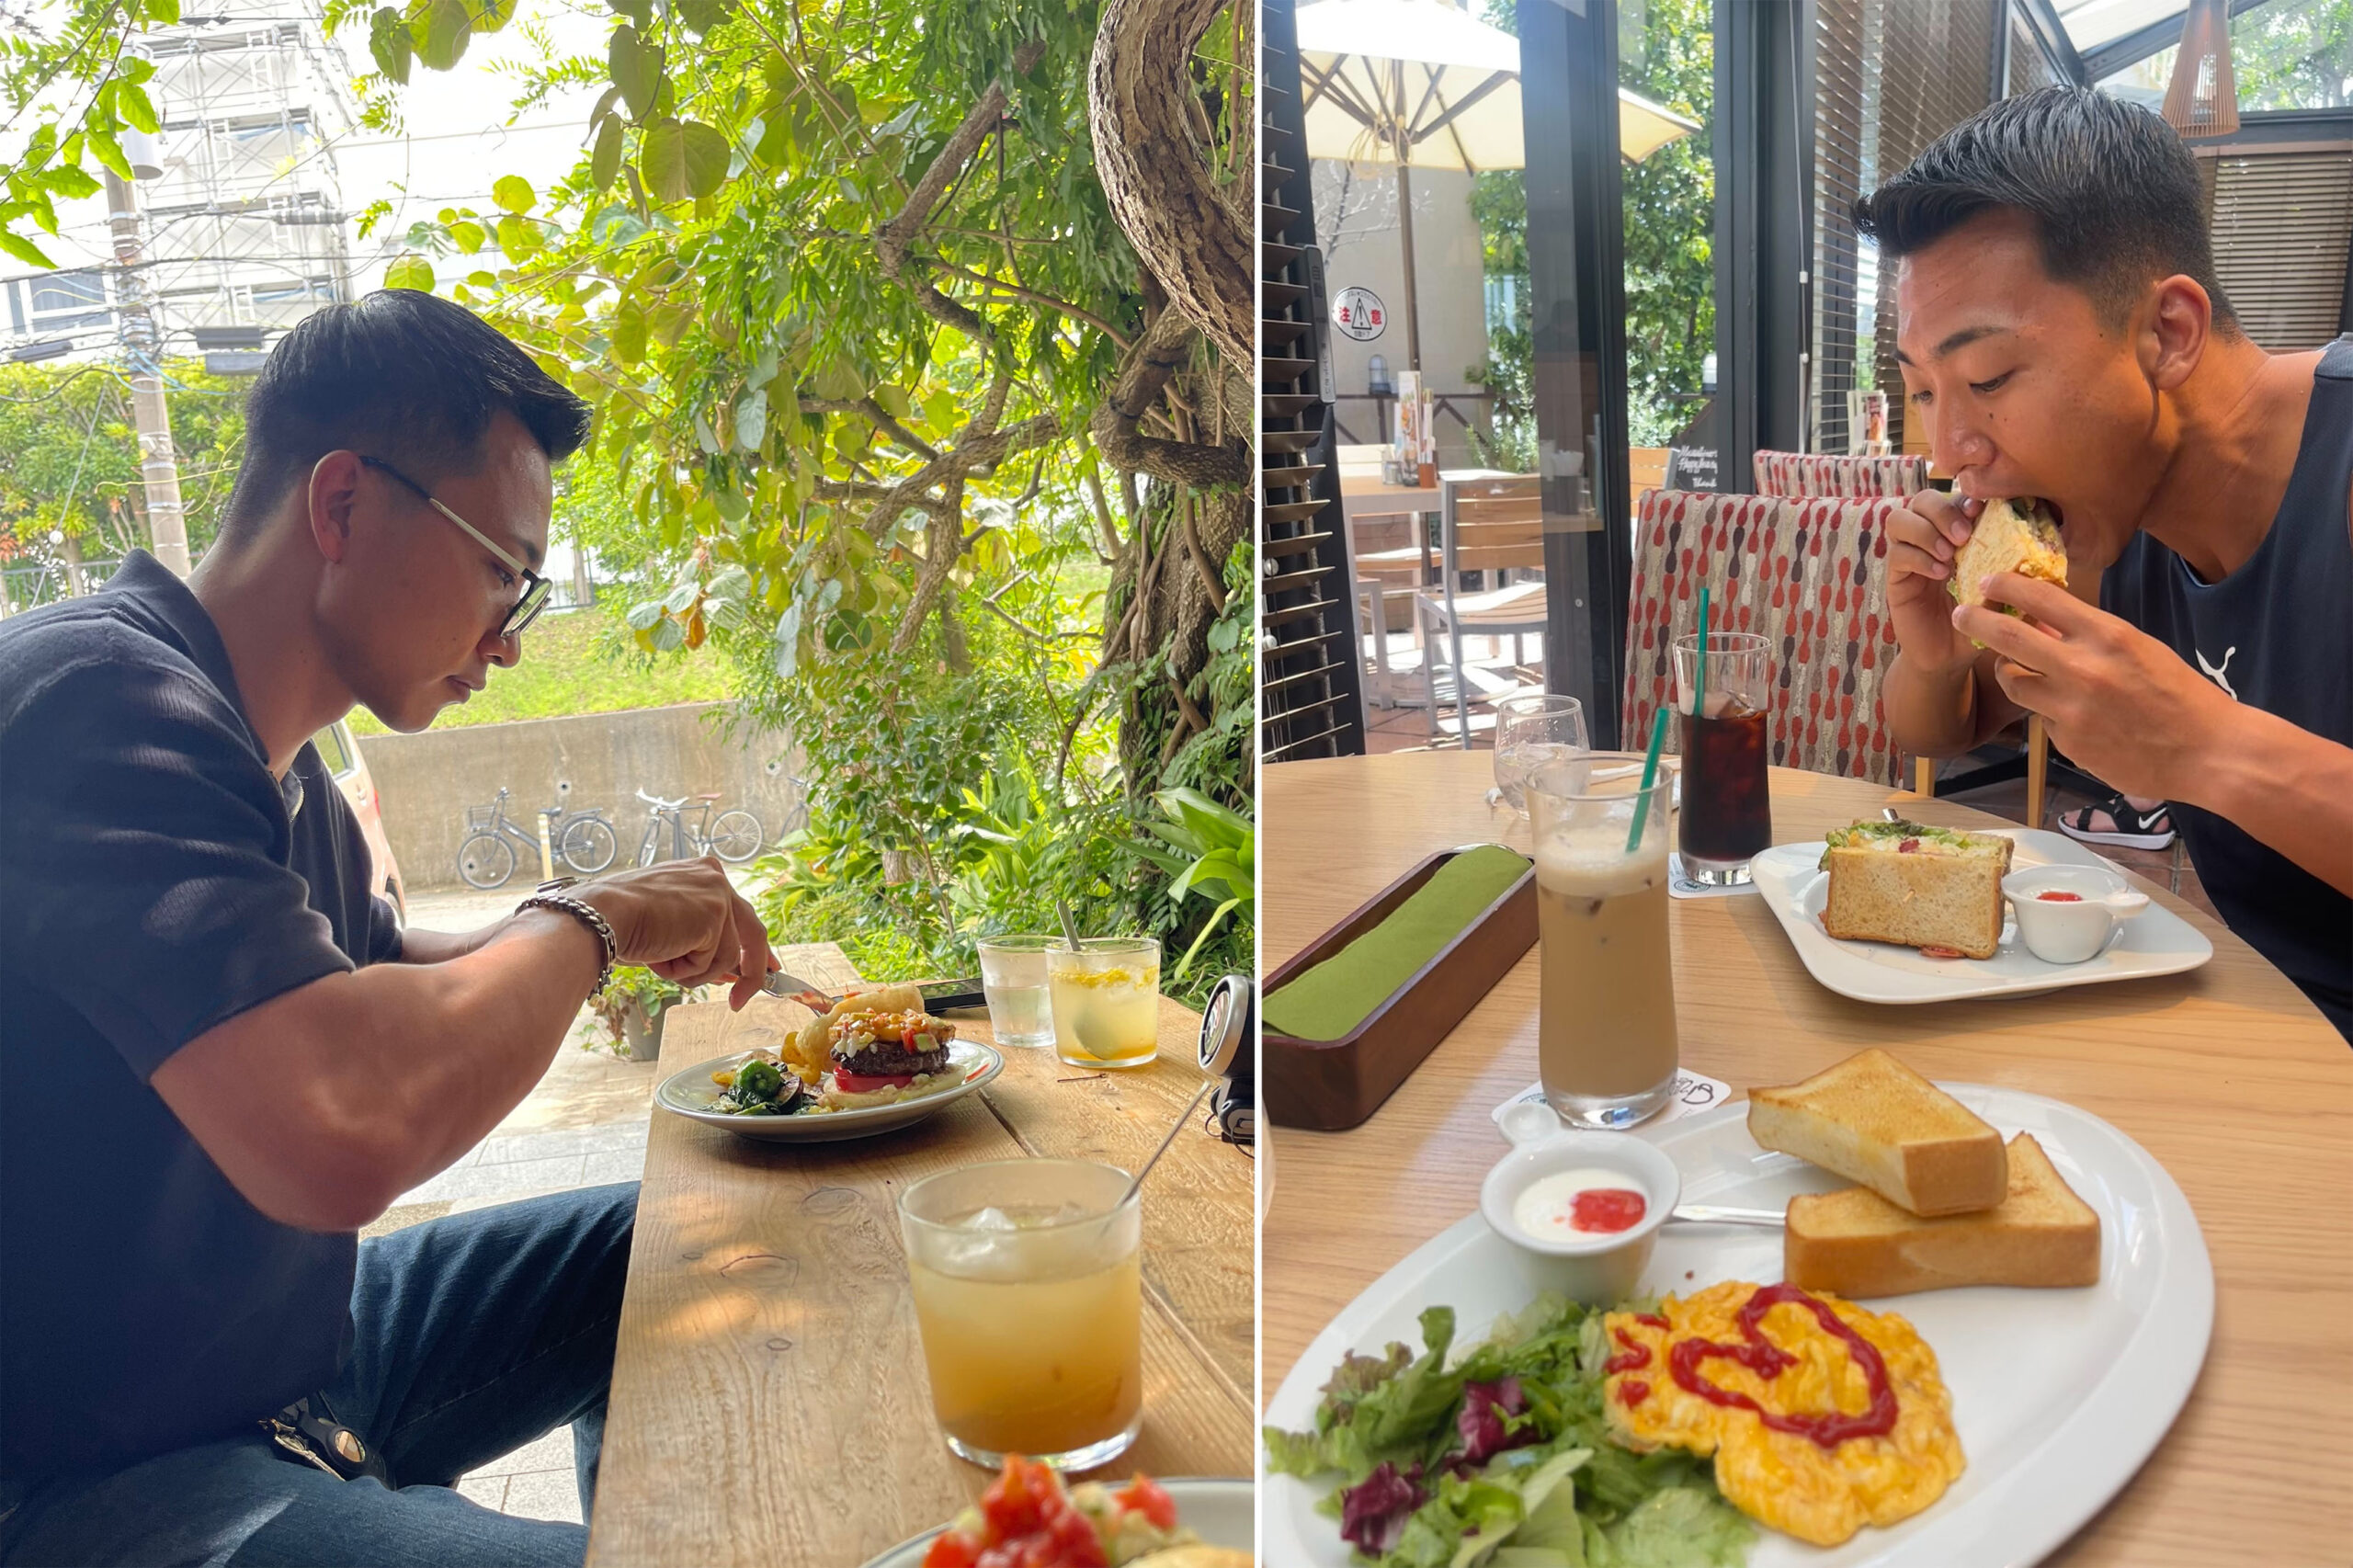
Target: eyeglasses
<point>536,588</point>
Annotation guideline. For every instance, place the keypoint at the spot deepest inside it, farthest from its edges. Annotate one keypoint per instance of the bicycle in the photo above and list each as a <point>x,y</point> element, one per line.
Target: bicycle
<point>583,841</point>
<point>735,837</point>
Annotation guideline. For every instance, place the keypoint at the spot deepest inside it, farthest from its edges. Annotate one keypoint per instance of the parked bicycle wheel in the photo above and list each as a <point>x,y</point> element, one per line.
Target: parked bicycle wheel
<point>485,860</point>
<point>736,836</point>
<point>588,846</point>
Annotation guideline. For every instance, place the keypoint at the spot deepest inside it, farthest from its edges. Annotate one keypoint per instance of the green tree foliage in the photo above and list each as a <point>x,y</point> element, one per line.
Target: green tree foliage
<point>77,86</point>
<point>1667,52</point>
<point>73,455</point>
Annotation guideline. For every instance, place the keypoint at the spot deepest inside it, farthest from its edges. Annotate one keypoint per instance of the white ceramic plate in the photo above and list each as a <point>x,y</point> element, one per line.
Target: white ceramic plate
<point>690,1093</point>
<point>2155,941</point>
<point>2058,1395</point>
<point>1219,1512</point>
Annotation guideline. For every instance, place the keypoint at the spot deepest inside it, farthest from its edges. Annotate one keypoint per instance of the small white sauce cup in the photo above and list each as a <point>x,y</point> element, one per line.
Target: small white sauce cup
<point>2070,931</point>
<point>1600,1270</point>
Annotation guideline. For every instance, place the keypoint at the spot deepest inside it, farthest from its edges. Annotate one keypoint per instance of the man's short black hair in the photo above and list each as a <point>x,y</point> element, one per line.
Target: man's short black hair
<point>398,374</point>
<point>2112,192</point>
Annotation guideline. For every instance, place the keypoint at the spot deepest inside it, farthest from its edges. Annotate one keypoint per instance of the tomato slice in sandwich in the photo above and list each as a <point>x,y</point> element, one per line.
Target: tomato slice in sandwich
<point>859,1084</point>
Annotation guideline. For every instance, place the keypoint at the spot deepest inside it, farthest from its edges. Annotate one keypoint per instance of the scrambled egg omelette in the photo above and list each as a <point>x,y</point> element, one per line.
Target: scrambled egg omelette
<point>1817,1431</point>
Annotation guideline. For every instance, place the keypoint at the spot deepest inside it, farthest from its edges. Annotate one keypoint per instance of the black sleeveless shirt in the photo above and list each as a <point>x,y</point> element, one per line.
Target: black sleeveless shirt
<point>2277,634</point>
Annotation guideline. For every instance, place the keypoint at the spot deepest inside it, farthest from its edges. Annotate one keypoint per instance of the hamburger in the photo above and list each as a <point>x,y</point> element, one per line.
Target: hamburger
<point>873,1047</point>
<point>2021,536</point>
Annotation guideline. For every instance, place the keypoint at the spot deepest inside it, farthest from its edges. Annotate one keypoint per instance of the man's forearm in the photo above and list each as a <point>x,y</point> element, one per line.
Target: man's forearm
<point>1928,714</point>
<point>443,947</point>
<point>2286,787</point>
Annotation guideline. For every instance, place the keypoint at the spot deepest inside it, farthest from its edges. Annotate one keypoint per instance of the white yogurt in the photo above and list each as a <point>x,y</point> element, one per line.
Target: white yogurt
<point>1546,1208</point>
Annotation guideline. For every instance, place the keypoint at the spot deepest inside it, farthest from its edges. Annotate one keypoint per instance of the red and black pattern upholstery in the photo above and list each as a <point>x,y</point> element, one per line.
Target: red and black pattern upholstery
<point>1826,473</point>
<point>1810,576</point>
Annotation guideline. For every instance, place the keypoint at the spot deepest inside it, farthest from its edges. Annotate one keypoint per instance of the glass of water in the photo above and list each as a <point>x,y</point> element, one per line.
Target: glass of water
<point>1013,976</point>
<point>1533,730</point>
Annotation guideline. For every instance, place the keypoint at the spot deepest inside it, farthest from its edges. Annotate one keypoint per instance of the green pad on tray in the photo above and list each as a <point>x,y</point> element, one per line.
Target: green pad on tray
<point>1334,997</point>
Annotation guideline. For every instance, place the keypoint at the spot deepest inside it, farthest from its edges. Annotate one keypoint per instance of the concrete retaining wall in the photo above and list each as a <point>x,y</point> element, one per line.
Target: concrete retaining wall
<point>427,782</point>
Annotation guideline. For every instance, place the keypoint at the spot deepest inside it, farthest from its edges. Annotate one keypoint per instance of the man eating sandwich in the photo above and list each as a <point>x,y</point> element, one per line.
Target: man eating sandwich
<point>2061,335</point>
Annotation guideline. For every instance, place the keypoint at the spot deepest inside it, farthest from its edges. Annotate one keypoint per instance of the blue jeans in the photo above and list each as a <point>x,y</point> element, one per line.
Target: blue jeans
<point>476,1335</point>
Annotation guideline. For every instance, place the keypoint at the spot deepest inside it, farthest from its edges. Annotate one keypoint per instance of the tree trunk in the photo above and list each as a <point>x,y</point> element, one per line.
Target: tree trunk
<point>1193,235</point>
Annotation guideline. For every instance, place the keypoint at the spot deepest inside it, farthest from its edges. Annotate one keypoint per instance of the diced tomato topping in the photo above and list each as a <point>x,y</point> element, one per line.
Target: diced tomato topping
<point>1908,847</point>
<point>1015,1504</point>
<point>1146,1496</point>
<point>859,1084</point>
<point>1029,1523</point>
<point>953,1550</point>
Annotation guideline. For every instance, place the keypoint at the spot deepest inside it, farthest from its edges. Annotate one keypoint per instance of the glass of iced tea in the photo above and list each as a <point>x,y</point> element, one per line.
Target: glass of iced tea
<point>1727,809</point>
<point>1532,729</point>
<point>1028,1299</point>
<point>1606,1036</point>
<point>1106,999</point>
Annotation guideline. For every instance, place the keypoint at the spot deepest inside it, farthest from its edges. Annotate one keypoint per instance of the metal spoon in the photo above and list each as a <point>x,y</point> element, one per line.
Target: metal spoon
<point>1723,1214</point>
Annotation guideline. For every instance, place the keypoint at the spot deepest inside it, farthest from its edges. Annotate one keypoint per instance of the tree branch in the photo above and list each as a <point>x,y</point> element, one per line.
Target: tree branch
<point>1018,292</point>
<point>1164,350</point>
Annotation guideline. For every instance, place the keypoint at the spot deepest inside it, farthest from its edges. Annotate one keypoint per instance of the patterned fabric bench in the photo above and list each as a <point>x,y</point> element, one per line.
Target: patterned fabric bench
<point>1810,576</point>
<point>1823,473</point>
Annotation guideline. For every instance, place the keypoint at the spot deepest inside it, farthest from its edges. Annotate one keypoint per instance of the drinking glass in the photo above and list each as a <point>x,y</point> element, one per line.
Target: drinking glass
<point>1605,1035</point>
<point>1028,1300</point>
<point>1532,729</point>
<point>1727,807</point>
<point>1012,977</point>
<point>1106,1000</point>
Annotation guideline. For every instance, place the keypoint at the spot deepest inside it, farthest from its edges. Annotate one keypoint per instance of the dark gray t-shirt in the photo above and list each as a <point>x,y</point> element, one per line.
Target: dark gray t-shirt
<point>154,881</point>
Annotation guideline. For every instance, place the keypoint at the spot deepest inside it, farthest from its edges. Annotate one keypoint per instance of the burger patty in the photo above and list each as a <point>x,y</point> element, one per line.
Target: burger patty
<point>888,1059</point>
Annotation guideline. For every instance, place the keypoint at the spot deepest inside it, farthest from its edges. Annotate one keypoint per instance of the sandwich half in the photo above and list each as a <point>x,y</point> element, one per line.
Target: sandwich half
<point>1934,888</point>
<point>2019,536</point>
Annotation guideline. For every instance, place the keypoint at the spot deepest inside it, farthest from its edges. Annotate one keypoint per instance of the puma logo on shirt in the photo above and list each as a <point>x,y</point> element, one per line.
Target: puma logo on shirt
<point>2214,671</point>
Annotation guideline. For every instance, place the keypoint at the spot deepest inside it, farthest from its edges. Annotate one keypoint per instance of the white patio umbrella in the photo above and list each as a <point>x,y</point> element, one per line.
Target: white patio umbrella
<point>1419,83</point>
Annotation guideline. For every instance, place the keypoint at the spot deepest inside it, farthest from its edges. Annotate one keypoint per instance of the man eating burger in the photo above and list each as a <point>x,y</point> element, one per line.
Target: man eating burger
<point>2062,334</point>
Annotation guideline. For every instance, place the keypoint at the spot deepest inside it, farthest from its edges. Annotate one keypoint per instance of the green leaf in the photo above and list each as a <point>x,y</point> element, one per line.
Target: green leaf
<point>752,420</point>
<point>939,411</point>
<point>409,271</point>
<point>642,615</point>
<point>701,16</point>
<point>132,102</point>
<point>639,11</point>
<point>468,237</point>
<point>108,151</point>
<point>667,634</point>
<point>682,597</point>
<point>441,32</point>
<point>606,161</point>
<point>163,12</point>
<point>636,69</point>
<point>520,237</point>
<point>514,193</point>
<point>23,250</point>
<point>69,183</point>
<point>390,43</point>
<point>490,15</point>
<point>629,331</point>
<point>706,155</point>
<point>661,161</point>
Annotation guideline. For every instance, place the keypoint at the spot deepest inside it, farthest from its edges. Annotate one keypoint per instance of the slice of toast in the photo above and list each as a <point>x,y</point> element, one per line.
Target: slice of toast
<point>1858,1244</point>
<point>1874,1120</point>
<point>1917,887</point>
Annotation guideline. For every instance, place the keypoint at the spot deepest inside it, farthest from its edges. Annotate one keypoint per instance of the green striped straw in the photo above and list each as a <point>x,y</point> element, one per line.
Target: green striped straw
<point>1650,776</point>
<point>1700,659</point>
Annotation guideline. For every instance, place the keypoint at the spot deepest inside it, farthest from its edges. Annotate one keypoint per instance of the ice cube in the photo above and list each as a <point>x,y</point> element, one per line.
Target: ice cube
<point>989,1220</point>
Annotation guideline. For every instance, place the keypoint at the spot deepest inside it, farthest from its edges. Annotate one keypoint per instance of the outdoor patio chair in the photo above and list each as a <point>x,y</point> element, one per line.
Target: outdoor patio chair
<point>1806,574</point>
<point>1828,473</point>
<point>1484,525</point>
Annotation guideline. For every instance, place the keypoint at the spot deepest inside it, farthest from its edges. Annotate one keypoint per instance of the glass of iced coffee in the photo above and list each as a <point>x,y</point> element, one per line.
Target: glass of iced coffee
<point>1606,1040</point>
<point>1727,811</point>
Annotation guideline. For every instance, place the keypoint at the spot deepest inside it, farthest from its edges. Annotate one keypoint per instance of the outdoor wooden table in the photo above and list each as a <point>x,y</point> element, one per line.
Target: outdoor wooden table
<point>2227,1075</point>
<point>769,1404</point>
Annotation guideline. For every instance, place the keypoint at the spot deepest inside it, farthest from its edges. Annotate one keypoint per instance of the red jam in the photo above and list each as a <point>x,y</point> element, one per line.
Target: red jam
<point>1768,1360</point>
<point>1633,1391</point>
<point>1635,1355</point>
<point>2058,895</point>
<point>1606,1209</point>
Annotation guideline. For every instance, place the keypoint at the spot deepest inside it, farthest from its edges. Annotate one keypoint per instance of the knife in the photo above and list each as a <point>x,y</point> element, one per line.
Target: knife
<point>939,996</point>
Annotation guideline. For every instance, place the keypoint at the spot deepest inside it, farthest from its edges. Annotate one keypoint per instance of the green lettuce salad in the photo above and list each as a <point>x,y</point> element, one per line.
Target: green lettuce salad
<point>1503,1459</point>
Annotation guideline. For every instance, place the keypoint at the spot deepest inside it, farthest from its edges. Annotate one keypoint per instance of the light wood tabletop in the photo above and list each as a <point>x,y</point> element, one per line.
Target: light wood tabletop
<point>769,1400</point>
<point>2226,1074</point>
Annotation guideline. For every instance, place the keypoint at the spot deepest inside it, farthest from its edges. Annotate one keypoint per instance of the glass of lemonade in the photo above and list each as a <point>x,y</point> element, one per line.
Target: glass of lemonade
<point>1106,1000</point>
<point>1013,976</point>
<point>1532,729</point>
<point>1028,1299</point>
<point>1606,1038</point>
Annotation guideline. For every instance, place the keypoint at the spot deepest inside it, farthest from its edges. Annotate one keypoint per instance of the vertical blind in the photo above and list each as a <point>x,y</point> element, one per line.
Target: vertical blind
<point>2282,221</point>
<point>1890,77</point>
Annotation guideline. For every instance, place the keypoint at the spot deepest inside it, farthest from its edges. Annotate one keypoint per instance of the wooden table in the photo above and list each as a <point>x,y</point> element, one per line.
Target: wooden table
<point>2226,1074</point>
<point>769,1402</point>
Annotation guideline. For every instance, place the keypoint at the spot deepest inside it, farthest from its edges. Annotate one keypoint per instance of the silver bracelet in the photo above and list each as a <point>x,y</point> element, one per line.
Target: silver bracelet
<point>582,911</point>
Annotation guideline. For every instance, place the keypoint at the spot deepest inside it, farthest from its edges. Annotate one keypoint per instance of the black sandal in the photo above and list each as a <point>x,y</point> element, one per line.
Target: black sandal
<point>2134,829</point>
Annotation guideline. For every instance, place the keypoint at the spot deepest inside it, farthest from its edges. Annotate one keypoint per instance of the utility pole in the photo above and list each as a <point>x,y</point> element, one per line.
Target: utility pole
<point>142,342</point>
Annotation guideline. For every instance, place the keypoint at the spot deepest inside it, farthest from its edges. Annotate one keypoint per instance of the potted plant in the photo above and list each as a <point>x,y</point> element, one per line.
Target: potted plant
<point>632,1007</point>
